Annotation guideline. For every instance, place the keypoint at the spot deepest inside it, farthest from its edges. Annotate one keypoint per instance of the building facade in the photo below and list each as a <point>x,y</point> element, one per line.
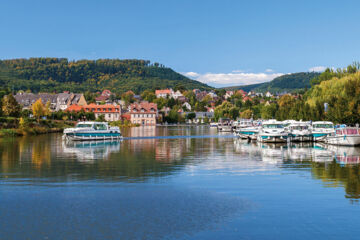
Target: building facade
<point>143,113</point>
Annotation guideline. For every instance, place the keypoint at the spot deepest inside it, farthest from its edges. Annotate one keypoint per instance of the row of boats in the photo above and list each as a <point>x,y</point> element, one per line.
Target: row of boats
<point>273,131</point>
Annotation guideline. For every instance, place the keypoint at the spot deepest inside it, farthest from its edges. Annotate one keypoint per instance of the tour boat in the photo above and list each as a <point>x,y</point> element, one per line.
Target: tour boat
<point>321,129</point>
<point>300,132</point>
<point>272,131</point>
<point>348,136</point>
<point>92,131</point>
<point>224,125</point>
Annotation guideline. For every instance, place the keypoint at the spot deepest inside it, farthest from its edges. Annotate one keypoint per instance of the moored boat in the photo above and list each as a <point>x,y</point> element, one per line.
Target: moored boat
<point>321,129</point>
<point>84,131</point>
<point>224,125</point>
<point>300,132</point>
<point>272,131</point>
<point>348,136</point>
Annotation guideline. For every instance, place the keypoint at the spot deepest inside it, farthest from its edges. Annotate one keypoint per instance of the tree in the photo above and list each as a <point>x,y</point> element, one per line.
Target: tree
<point>10,106</point>
<point>226,110</point>
<point>191,116</point>
<point>246,114</point>
<point>38,109</point>
<point>47,110</point>
<point>148,96</point>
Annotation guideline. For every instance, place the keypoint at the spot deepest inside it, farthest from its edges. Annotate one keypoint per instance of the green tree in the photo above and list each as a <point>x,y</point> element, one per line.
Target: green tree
<point>38,109</point>
<point>10,106</point>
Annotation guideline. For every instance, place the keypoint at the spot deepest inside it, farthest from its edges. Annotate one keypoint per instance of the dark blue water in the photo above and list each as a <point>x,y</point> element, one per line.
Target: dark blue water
<point>177,188</point>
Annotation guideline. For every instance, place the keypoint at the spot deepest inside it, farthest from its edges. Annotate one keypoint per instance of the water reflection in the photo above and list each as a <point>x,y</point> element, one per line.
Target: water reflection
<point>46,158</point>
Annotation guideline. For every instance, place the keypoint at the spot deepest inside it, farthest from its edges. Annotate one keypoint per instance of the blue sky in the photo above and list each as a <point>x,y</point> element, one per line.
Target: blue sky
<point>218,42</point>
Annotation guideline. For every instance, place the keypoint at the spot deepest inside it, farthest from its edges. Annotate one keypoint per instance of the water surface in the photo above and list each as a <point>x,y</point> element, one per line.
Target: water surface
<point>212,187</point>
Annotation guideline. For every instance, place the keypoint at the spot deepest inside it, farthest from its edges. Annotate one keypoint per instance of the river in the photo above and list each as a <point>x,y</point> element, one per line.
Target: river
<point>186,183</point>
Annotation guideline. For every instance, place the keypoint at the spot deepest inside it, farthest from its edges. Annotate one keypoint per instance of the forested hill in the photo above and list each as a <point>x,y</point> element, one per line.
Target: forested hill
<point>286,83</point>
<point>60,74</point>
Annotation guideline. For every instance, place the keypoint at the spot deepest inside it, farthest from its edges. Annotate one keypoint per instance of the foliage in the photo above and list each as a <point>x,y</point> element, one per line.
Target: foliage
<point>247,114</point>
<point>38,109</point>
<point>286,83</point>
<point>119,76</point>
<point>226,110</point>
<point>10,106</point>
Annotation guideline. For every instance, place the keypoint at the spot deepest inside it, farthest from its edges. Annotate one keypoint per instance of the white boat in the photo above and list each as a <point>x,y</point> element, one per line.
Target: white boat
<point>272,131</point>
<point>84,131</point>
<point>213,124</point>
<point>321,129</point>
<point>248,132</point>
<point>348,136</point>
<point>300,132</point>
<point>224,125</point>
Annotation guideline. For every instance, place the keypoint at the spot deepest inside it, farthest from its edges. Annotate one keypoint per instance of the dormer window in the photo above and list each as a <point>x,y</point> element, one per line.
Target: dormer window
<point>142,110</point>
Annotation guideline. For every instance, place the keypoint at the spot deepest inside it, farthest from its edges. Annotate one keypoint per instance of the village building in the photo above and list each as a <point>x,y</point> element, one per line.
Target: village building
<point>58,102</point>
<point>176,94</point>
<point>143,113</point>
<point>164,93</point>
<point>105,97</point>
<point>228,94</point>
<point>110,112</point>
<point>187,106</point>
<point>268,94</point>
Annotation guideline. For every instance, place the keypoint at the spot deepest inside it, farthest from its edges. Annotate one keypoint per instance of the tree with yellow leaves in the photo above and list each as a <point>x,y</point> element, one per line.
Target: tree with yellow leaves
<point>38,109</point>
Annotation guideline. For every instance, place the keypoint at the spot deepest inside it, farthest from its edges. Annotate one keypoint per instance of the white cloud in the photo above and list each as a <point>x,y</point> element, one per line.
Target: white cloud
<point>317,69</point>
<point>269,70</point>
<point>232,79</point>
<point>191,74</point>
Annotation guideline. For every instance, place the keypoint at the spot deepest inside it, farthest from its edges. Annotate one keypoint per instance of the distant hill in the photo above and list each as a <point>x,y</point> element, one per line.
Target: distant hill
<point>60,74</point>
<point>289,83</point>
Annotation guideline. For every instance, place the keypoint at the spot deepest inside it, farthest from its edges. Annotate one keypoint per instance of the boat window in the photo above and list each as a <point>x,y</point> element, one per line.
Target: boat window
<point>273,126</point>
<point>299,127</point>
<point>100,126</point>
<point>323,126</point>
<point>82,125</point>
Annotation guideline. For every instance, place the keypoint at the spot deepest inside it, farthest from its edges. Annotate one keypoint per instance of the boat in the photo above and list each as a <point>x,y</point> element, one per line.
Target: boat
<point>213,124</point>
<point>272,131</point>
<point>245,129</point>
<point>249,133</point>
<point>84,131</point>
<point>348,136</point>
<point>224,125</point>
<point>299,132</point>
<point>321,129</point>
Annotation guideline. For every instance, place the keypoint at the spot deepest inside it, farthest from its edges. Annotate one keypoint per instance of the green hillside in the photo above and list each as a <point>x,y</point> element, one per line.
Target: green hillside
<point>286,83</point>
<point>60,74</point>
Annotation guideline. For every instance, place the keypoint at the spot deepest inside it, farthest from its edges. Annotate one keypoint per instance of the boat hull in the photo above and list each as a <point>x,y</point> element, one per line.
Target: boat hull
<point>272,138</point>
<point>301,138</point>
<point>344,140</point>
<point>92,136</point>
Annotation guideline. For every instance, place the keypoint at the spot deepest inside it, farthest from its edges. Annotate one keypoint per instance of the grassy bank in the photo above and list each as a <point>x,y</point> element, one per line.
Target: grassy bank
<point>12,127</point>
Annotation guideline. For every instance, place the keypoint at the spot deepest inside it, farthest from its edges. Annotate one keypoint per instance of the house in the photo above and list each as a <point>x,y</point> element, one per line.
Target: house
<point>110,112</point>
<point>228,94</point>
<point>143,113</point>
<point>104,97</point>
<point>196,91</point>
<point>200,116</point>
<point>201,95</point>
<point>58,102</point>
<point>212,94</point>
<point>268,94</point>
<point>187,106</point>
<point>164,93</point>
<point>182,99</point>
<point>176,94</point>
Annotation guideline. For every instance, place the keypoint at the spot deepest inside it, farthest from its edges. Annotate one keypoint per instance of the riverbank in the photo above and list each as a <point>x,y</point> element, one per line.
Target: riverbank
<point>13,127</point>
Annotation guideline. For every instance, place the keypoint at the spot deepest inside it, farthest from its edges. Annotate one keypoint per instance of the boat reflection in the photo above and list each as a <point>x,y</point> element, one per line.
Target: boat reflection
<point>89,151</point>
<point>345,154</point>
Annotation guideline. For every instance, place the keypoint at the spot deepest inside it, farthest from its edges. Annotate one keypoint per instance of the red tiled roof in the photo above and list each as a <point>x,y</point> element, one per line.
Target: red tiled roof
<point>75,108</point>
<point>145,106</point>
<point>107,108</point>
<point>102,98</point>
<point>163,91</point>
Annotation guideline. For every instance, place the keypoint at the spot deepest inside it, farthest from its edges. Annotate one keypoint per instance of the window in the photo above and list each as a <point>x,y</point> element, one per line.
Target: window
<point>109,115</point>
<point>99,109</point>
<point>100,126</point>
